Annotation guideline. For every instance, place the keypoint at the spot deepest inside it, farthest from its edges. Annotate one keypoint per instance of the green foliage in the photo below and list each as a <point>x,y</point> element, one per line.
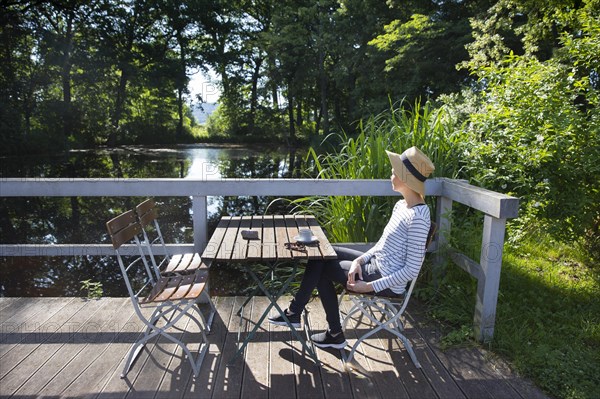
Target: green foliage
<point>455,338</point>
<point>92,289</point>
<point>524,27</point>
<point>412,43</point>
<point>538,137</point>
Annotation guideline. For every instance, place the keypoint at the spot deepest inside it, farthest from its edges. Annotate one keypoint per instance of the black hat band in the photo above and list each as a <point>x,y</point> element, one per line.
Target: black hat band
<point>412,169</point>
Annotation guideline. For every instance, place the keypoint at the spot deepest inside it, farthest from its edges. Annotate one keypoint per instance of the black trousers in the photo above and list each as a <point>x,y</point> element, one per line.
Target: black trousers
<point>322,275</point>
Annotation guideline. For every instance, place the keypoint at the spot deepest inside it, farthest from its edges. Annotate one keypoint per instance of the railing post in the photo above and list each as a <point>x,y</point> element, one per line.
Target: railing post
<point>443,219</point>
<point>488,283</point>
<point>199,221</point>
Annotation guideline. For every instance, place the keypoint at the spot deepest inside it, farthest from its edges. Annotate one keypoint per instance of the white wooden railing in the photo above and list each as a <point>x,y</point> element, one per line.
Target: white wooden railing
<point>497,208</point>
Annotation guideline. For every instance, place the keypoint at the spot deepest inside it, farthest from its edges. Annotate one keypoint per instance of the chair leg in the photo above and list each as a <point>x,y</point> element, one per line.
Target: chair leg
<point>133,354</point>
<point>409,348</point>
<point>213,311</point>
<point>391,322</point>
<point>357,307</point>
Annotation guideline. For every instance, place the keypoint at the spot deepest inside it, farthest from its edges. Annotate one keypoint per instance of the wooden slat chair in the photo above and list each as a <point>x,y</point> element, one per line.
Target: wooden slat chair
<point>178,264</point>
<point>384,313</point>
<point>147,214</point>
<point>170,297</point>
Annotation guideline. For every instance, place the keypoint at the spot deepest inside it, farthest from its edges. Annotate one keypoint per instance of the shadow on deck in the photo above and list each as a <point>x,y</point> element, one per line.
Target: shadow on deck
<point>72,347</point>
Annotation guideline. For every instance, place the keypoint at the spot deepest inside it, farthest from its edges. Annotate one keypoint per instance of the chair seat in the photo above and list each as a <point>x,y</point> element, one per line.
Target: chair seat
<point>184,263</point>
<point>398,298</point>
<point>173,288</point>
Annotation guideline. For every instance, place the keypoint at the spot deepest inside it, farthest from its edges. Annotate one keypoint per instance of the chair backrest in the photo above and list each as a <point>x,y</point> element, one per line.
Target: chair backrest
<point>431,234</point>
<point>137,270</point>
<point>123,228</point>
<point>147,214</point>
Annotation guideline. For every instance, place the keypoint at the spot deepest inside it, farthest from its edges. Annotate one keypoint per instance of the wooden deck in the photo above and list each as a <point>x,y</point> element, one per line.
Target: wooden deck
<point>72,347</point>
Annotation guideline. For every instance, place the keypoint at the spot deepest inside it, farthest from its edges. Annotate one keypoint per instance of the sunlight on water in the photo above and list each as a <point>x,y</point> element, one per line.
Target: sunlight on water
<point>205,163</point>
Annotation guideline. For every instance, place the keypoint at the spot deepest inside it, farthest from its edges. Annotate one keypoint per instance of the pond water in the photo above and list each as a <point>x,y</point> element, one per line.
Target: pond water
<point>78,220</point>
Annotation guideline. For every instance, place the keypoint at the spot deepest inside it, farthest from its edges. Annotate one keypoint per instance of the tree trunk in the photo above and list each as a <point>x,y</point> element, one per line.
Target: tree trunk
<point>299,120</point>
<point>292,129</point>
<point>254,93</point>
<point>179,132</point>
<point>75,219</point>
<point>119,104</point>
<point>318,114</point>
<point>66,80</point>
<point>180,88</point>
<point>323,86</point>
<point>124,66</point>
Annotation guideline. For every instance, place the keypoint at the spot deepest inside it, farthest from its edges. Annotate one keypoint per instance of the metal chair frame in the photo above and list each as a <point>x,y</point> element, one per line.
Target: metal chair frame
<point>391,318</point>
<point>178,264</point>
<point>171,297</point>
<point>390,309</point>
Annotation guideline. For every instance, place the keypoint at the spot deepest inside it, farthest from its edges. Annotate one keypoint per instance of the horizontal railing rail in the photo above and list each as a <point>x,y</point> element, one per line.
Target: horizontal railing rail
<point>497,208</point>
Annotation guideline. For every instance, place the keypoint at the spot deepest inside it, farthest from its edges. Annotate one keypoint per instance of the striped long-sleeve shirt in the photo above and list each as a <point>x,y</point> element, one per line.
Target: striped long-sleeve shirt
<point>400,251</point>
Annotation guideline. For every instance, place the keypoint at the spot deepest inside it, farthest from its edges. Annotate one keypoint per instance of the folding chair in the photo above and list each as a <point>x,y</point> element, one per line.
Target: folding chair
<point>147,214</point>
<point>170,297</point>
<point>390,310</point>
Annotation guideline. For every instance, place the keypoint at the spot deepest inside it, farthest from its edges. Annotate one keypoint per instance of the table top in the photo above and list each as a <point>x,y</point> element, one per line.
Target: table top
<point>274,232</point>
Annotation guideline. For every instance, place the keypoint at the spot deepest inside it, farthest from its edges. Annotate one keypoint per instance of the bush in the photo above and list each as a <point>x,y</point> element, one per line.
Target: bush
<point>538,136</point>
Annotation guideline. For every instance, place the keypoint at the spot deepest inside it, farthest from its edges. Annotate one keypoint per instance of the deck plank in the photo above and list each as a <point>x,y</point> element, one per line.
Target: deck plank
<point>281,355</point>
<point>255,383</point>
<point>62,368</point>
<point>413,379</point>
<point>108,361</point>
<point>42,353</point>
<point>370,360</point>
<point>206,383</point>
<point>467,369</point>
<point>25,331</point>
<point>78,350</point>
<point>52,329</point>
<point>178,370</point>
<point>6,301</point>
<point>439,378</point>
<point>307,372</point>
<point>116,387</point>
<point>18,314</point>
<point>160,356</point>
<point>228,378</point>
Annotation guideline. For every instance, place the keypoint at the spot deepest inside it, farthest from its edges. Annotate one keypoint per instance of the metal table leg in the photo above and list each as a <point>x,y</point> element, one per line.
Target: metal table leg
<point>273,303</point>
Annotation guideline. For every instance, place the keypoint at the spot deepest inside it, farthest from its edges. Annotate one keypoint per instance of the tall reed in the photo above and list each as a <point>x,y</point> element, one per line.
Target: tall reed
<point>361,219</point>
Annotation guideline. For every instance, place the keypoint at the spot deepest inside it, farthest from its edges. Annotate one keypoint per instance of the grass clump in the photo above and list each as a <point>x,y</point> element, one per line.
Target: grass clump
<point>362,219</point>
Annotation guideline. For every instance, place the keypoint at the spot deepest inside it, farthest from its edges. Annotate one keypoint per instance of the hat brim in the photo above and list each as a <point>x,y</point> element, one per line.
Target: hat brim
<point>404,174</point>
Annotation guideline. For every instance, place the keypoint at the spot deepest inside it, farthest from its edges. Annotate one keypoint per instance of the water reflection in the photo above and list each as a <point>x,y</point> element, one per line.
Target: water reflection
<point>80,220</point>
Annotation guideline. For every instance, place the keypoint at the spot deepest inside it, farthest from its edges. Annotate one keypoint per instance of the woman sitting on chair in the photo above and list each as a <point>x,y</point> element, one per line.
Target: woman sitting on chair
<point>387,267</point>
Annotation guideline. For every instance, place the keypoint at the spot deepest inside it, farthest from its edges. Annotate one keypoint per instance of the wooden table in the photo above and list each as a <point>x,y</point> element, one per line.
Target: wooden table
<point>272,247</point>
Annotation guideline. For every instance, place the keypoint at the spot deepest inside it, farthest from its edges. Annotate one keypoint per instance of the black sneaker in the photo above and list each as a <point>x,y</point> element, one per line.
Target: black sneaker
<point>280,321</point>
<point>326,340</point>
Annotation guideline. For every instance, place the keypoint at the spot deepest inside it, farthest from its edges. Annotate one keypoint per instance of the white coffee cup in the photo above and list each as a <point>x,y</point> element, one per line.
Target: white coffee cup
<point>305,235</point>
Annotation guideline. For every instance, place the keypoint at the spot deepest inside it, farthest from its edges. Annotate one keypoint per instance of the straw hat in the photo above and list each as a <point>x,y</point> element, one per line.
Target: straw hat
<point>412,167</point>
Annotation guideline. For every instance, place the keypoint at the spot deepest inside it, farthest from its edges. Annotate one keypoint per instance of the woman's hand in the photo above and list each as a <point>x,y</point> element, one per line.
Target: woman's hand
<point>360,287</point>
<point>354,270</point>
